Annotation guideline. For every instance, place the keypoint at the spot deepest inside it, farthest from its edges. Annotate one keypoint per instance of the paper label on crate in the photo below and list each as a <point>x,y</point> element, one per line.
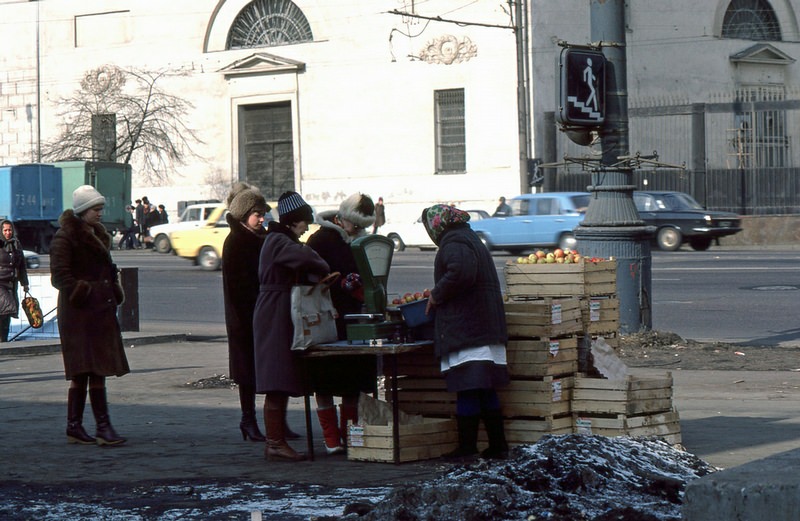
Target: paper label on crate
<point>555,313</point>
<point>356,438</point>
<point>594,311</point>
<point>583,425</point>
<point>556,390</point>
<point>554,345</point>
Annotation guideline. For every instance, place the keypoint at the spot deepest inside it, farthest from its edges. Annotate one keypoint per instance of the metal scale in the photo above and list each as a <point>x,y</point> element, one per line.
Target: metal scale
<point>373,256</point>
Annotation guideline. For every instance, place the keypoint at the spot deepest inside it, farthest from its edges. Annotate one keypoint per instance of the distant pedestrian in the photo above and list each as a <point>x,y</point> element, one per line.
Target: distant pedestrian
<point>503,210</point>
<point>380,215</point>
<point>129,239</point>
<point>12,272</point>
<point>163,217</point>
<point>82,271</point>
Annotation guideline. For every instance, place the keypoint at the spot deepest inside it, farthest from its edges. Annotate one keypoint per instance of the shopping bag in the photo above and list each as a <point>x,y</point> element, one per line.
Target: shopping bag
<point>313,314</point>
<point>33,311</point>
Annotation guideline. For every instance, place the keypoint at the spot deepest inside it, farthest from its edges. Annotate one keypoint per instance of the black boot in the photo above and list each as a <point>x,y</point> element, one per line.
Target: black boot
<point>467,438</point>
<point>76,401</point>
<point>105,433</point>
<point>495,430</point>
<point>249,423</point>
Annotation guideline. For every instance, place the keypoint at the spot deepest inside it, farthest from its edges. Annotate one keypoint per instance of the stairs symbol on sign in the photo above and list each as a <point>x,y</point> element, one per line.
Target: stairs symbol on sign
<point>591,114</point>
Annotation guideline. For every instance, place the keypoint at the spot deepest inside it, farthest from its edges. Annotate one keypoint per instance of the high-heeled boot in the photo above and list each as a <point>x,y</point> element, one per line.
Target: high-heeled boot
<point>347,413</point>
<point>249,424</point>
<point>105,433</point>
<point>76,402</point>
<point>330,430</point>
<point>276,448</point>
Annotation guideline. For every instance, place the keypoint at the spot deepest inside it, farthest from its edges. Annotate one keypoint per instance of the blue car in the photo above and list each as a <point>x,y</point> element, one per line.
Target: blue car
<point>545,220</point>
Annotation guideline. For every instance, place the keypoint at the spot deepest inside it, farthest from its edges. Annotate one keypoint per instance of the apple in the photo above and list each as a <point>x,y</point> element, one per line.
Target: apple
<point>426,293</point>
<point>396,301</point>
<point>418,295</point>
<point>522,260</point>
<point>558,253</point>
<point>540,254</point>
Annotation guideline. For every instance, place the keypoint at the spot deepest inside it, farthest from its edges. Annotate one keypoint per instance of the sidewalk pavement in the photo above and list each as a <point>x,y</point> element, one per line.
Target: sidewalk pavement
<point>177,431</point>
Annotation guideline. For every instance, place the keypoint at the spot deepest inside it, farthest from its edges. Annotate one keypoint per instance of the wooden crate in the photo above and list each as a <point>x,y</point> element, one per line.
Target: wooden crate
<point>543,318</point>
<point>424,396</point>
<point>665,425</point>
<point>600,314</point>
<point>525,431</point>
<point>524,281</point>
<point>426,440</point>
<point>538,398</point>
<point>546,357</point>
<point>631,396</point>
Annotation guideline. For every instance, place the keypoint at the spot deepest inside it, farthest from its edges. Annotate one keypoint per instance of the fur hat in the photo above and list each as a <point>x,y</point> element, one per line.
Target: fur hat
<point>292,208</point>
<point>358,209</point>
<point>85,197</point>
<point>245,199</point>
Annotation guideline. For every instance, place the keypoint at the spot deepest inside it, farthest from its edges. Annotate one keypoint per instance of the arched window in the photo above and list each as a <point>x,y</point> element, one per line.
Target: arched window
<point>267,23</point>
<point>751,20</point>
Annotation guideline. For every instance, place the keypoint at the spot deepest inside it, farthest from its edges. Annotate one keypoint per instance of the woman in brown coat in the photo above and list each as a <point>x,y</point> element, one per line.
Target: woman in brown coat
<point>88,295</point>
<point>284,261</point>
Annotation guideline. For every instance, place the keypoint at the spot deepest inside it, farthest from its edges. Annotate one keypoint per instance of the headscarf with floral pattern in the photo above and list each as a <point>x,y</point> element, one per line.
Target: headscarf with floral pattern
<point>439,217</point>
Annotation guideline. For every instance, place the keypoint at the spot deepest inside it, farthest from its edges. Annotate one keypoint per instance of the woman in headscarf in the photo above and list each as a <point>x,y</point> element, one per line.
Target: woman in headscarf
<point>12,272</point>
<point>470,328</point>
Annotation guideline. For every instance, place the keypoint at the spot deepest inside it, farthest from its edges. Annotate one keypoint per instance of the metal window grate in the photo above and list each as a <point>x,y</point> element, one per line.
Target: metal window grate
<point>751,20</point>
<point>268,23</point>
<point>451,150</point>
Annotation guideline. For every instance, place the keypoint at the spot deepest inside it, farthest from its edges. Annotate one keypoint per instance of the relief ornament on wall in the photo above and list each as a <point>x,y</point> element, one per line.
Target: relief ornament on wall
<point>448,49</point>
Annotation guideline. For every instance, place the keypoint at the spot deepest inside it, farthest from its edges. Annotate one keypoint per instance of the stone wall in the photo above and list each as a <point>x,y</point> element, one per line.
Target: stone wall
<point>768,230</point>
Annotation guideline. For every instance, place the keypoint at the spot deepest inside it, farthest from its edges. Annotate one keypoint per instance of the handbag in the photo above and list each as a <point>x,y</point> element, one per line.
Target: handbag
<point>33,311</point>
<point>313,314</point>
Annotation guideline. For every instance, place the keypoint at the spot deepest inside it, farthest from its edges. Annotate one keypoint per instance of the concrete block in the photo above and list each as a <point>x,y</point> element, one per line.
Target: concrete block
<point>763,490</point>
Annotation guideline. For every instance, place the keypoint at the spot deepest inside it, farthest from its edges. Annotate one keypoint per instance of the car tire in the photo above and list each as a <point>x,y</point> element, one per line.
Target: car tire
<point>700,243</point>
<point>399,245</point>
<point>208,259</point>
<point>669,239</point>
<point>567,241</point>
<point>161,243</point>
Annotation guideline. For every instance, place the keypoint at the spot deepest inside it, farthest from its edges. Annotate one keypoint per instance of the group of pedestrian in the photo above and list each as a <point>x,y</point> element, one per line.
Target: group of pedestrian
<point>138,221</point>
<point>260,266</point>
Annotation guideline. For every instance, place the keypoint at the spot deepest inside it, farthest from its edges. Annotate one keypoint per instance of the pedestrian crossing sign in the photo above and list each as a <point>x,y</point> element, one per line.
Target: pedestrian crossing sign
<point>582,89</point>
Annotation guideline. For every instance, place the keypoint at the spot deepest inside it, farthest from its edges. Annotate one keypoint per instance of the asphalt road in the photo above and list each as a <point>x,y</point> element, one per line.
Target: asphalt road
<point>736,295</point>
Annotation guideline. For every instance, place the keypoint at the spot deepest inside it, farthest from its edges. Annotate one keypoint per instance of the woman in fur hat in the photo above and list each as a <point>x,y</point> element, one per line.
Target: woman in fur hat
<point>88,295</point>
<point>342,377</point>
<point>283,262</point>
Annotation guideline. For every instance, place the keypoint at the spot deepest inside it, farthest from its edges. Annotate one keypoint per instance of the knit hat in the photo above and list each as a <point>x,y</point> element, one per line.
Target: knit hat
<point>85,197</point>
<point>358,209</point>
<point>245,199</point>
<point>292,208</point>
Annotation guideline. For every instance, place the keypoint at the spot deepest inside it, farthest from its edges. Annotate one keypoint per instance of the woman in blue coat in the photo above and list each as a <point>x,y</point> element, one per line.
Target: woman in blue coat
<point>470,328</point>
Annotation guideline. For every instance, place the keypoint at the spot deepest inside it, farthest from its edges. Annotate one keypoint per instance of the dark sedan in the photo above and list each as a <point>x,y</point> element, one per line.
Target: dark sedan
<point>680,219</point>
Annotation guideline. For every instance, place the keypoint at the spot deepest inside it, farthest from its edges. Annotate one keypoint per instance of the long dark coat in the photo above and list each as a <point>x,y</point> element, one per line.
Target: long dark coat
<point>284,260</point>
<point>240,291</point>
<point>13,270</point>
<point>469,307</point>
<point>348,375</point>
<point>88,295</point>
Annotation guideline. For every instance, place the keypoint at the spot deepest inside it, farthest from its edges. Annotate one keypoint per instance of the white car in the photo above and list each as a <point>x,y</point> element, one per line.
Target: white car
<point>414,235</point>
<point>193,216</point>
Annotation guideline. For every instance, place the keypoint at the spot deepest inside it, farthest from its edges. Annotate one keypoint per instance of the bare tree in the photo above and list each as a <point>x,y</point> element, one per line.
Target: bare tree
<point>147,123</point>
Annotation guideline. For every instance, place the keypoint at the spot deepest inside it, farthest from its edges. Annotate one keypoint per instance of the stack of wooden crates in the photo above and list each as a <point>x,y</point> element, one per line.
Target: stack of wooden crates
<point>554,312</point>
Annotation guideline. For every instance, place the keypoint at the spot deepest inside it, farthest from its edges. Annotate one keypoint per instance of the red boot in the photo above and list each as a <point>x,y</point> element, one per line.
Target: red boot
<point>330,430</point>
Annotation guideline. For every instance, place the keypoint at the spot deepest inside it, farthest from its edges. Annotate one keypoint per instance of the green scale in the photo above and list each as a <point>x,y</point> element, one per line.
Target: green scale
<point>373,256</point>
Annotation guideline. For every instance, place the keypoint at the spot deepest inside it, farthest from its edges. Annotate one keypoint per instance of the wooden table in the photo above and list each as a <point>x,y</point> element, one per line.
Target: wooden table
<point>345,348</point>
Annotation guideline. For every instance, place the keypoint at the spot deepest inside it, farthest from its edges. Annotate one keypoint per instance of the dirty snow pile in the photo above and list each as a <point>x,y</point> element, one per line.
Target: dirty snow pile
<point>560,478</point>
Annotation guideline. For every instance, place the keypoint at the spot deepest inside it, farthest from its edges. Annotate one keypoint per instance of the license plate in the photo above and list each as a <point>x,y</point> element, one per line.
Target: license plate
<point>724,224</point>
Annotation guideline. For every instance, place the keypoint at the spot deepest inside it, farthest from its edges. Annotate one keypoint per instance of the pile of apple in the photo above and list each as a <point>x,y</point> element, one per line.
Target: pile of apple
<point>411,297</point>
<point>557,256</point>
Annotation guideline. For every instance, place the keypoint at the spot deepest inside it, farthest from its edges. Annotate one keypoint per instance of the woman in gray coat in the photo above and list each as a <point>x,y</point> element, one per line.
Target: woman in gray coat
<point>284,261</point>
<point>88,295</point>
